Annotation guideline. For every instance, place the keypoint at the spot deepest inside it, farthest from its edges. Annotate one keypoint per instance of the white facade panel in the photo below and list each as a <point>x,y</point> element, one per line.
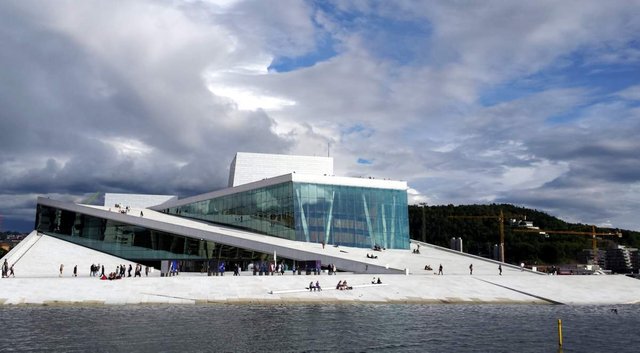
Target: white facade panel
<point>250,167</point>
<point>136,200</point>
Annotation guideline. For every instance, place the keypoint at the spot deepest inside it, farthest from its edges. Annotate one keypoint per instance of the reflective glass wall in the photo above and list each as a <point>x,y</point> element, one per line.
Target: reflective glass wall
<point>333,214</point>
<point>119,239</point>
<point>351,216</point>
<point>267,210</point>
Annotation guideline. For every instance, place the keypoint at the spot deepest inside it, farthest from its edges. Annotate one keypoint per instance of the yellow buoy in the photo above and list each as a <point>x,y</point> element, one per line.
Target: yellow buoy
<point>559,332</point>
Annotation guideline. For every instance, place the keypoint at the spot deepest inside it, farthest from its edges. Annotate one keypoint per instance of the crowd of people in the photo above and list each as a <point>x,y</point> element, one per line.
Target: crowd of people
<point>123,271</point>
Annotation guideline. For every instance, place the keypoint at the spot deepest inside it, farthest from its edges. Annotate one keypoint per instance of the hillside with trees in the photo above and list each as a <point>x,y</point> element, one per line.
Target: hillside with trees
<point>438,224</point>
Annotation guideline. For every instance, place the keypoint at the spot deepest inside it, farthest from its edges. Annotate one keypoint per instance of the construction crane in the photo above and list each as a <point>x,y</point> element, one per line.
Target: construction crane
<point>593,235</point>
<point>500,219</point>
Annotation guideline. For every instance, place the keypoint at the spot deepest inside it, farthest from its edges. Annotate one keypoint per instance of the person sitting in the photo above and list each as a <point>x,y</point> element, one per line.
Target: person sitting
<point>428,268</point>
<point>318,286</point>
<point>339,286</point>
<point>311,286</point>
<point>379,281</point>
<point>373,281</point>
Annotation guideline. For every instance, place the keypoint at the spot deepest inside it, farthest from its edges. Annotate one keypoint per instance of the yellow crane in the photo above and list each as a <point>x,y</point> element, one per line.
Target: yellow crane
<point>593,235</point>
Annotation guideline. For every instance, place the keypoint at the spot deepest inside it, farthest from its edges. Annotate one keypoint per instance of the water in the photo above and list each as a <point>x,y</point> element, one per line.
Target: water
<point>319,328</point>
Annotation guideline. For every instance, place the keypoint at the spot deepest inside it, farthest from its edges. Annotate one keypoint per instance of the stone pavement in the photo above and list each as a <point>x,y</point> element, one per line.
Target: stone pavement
<point>38,282</point>
<point>191,289</point>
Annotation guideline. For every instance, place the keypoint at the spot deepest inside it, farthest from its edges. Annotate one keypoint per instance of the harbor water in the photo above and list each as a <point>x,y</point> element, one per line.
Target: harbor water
<point>319,328</point>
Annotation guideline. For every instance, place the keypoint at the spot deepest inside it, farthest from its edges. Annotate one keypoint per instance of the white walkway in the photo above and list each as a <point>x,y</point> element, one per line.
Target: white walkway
<point>38,282</point>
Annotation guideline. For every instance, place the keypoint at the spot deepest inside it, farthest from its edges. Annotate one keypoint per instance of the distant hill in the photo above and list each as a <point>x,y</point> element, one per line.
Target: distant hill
<point>437,224</point>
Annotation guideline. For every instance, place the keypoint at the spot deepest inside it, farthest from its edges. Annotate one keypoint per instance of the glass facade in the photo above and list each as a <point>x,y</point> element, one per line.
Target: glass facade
<point>119,239</point>
<point>333,214</point>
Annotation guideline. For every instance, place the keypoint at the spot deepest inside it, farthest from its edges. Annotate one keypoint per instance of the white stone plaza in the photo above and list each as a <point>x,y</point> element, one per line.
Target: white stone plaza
<point>38,282</point>
<point>304,218</point>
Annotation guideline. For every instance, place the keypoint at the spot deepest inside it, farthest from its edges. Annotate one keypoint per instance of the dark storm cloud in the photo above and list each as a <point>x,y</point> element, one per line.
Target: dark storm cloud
<point>75,122</point>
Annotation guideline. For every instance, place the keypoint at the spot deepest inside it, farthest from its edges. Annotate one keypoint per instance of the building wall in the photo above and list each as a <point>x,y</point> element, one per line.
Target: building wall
<point>266,210</point>
<point>320,213</point>
<point>119,239</point>
<point>249,167</point>
<point>619,259</point>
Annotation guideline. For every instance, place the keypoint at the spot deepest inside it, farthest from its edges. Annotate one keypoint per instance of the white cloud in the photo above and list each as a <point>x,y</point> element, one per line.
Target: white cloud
<point>630,93</point>
<point>533,176</point>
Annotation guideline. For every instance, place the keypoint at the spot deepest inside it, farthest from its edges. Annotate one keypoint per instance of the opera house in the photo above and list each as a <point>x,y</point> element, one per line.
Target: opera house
<point>276,206</point>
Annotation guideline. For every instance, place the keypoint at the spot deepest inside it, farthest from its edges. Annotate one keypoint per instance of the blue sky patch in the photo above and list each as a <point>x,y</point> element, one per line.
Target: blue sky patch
<point>572,70</point>
<point>365,161</point>
<point>324,51</point>
<point>358,129</point>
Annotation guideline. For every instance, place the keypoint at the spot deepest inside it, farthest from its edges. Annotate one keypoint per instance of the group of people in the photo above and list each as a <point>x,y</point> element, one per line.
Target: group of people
<point>314,287</point>
<point>416,250</point>
<point>376,281</point>
<point>122,269</point>
<point>123,210</point>
<point>342,285</point>
<point>7,271</point>
<point>371,256</point>
<point>96,270</point>
<point>378,248</point>
<point>269,268</point>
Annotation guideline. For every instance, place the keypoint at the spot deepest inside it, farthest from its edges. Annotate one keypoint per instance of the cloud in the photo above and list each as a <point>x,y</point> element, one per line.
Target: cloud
<point>530,103</point>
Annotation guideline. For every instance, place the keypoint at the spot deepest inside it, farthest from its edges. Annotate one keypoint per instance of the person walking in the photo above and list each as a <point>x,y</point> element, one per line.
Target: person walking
<point>500,269</point>
<point>61,269</point>
<point>5,269</point>
<point>11,273</point>
<point>75,271</point>
<point>440,270</point>
<point>471,269</point>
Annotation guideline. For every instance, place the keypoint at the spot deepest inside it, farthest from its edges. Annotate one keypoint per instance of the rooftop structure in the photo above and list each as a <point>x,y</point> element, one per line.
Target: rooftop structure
<point>249,167</point>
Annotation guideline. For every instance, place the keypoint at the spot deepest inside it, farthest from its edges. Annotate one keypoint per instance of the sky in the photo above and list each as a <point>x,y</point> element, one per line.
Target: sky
<point>533,103</point>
